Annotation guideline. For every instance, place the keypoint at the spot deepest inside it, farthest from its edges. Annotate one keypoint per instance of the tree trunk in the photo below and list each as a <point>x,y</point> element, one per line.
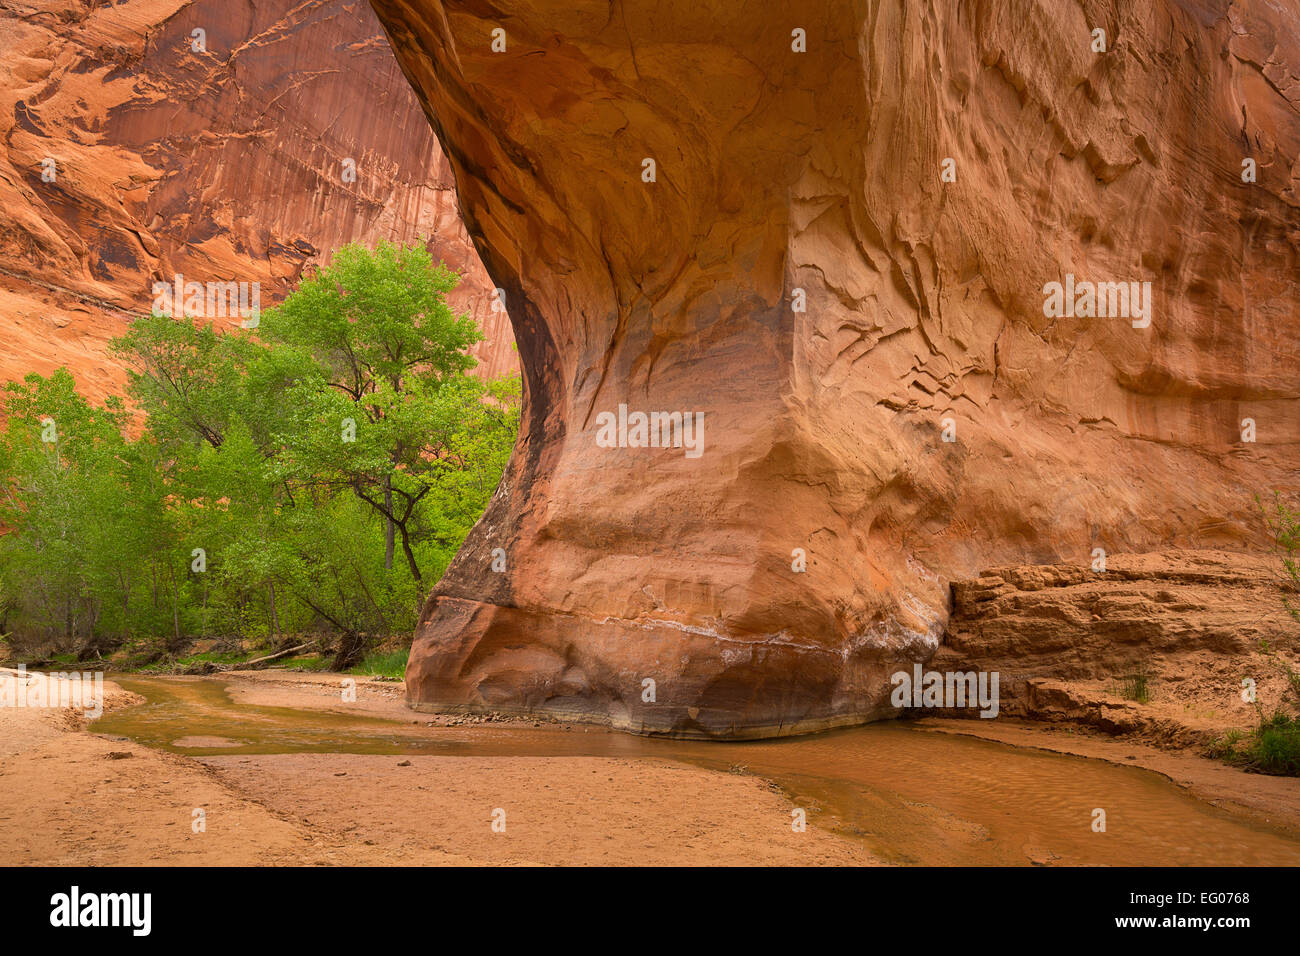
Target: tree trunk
<point>275,618</point>
<point>258,661</point>
<point>388,523</point>
<point>93,646</point>
<point>126,606</point>
<point>410,559</point>
<point>176,611</point>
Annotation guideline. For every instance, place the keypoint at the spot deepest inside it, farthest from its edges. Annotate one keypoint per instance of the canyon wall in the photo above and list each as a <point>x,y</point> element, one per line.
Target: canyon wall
<point>831,230</point>
<point>130,151</point>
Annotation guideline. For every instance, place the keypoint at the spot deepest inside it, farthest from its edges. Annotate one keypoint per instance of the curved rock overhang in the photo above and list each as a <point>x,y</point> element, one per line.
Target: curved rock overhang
<point>834,234</point>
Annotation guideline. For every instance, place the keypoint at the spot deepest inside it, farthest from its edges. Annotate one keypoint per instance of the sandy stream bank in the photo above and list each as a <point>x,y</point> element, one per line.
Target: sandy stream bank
<point>69,796</point>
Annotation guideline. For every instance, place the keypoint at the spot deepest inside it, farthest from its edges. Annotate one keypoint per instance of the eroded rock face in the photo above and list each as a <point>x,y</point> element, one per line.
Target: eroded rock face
<point>815,180</point>
<point>224,163</point>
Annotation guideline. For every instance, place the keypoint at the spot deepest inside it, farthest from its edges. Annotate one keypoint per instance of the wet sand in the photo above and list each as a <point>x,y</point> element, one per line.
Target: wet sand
<point>1271,800</point>
<point>571,811</point>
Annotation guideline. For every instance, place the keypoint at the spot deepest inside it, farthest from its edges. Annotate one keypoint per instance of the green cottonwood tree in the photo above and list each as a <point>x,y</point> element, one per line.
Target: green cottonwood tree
<point>393,358</point>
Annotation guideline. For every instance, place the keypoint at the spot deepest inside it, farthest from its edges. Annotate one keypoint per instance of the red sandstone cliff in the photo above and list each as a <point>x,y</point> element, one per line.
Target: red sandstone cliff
<point>221,164</point>
<point>788,177</point>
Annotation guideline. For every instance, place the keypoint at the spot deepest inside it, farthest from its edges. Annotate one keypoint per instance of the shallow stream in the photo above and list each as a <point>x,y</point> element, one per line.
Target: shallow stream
<point>913,796</point>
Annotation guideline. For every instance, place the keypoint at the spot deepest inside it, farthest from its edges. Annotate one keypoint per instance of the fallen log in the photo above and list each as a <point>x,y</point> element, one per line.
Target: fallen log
<point>267,659</point>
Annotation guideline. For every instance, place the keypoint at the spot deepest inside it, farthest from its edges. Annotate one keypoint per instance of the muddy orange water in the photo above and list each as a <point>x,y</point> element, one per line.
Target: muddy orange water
<point>912,796</point>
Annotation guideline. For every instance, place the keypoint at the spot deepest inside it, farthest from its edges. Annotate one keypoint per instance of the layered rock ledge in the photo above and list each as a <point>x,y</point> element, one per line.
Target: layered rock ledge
<point>1067,641</point>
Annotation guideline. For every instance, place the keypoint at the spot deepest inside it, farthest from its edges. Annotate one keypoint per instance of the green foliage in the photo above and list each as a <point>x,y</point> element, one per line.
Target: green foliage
<point>374,317</point>
<point>68,507</point>
<point>391,664</point>
<point>1273,747</point>
<point>277,477</point>
<point>379,403</point>
<point>1283,524</point>
<point>1135,685</point>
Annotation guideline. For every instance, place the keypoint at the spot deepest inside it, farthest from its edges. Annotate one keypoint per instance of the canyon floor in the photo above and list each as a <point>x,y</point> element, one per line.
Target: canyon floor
<point>73,797</point>
<point>77,794</point>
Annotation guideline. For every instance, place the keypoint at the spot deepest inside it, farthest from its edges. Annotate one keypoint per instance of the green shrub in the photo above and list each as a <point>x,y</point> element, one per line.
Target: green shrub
<point>1273,747</point>
<point>1135,684</point>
